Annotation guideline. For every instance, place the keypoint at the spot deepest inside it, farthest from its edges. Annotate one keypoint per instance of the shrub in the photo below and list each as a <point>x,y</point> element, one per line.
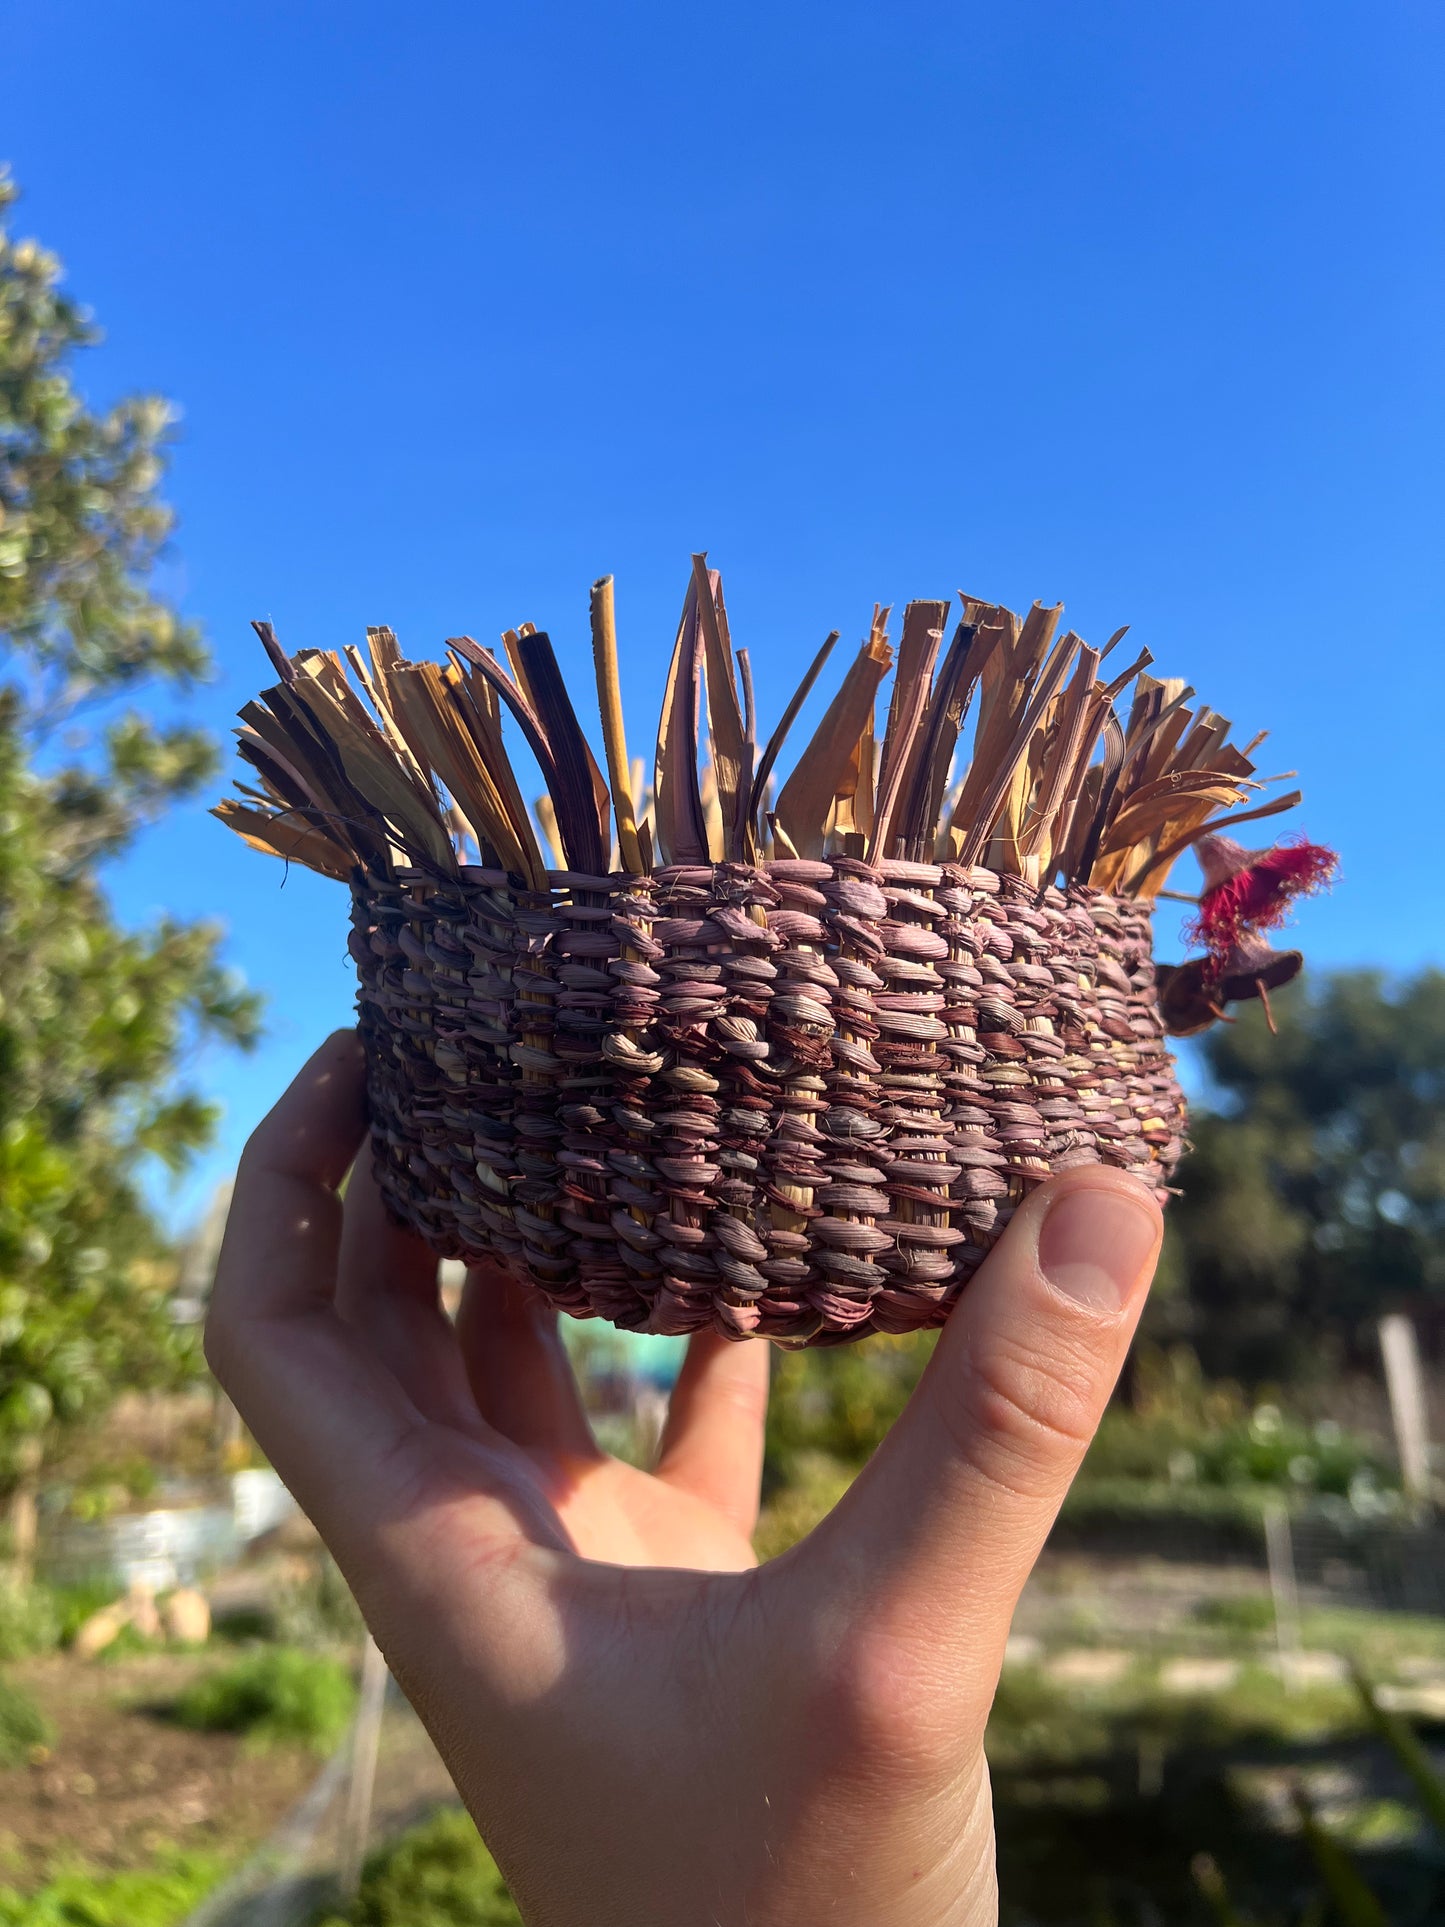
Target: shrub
<point>103,1490</point>
<point>841,1401</point>
<point>1193,1432</point>
<point>1247,1451</point>
<point>158,1896</point>
<point>275,1696</point>
<point>245,1625</point>
<point>75,1603</point>
<point>29,1621</point>
<point>1249,1613</point>
<point>22,1726</point>
<point>438,1875</point>
<point>814,1487</point>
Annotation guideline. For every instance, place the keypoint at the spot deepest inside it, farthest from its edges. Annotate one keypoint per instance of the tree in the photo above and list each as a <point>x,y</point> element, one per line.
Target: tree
<point>1314,1197</point>
<point>96,1021</point>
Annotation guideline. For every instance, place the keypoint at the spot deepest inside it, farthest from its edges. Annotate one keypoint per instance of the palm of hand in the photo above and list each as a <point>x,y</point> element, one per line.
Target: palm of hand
<point>501,1377</point>
<point>648,1732</point>
<point>613,1513</point>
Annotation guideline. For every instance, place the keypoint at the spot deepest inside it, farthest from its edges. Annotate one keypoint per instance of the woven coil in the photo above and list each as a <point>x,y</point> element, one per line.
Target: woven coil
<point>798,1100</point>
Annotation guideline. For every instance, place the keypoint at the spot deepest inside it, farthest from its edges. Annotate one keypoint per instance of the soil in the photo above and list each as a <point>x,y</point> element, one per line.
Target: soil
<point>120,1781</point>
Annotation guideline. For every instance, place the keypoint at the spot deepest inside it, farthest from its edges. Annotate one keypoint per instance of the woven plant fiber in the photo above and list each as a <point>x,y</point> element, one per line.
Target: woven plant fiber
<point>795,1099</point>
<point>684,1054</point>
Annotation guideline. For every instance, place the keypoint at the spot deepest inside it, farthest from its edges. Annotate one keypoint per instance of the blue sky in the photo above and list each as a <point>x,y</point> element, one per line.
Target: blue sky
<point>1134,306</point>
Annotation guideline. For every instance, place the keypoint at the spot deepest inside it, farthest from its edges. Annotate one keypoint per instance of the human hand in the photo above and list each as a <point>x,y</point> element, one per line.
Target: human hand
<point>649,1730</point>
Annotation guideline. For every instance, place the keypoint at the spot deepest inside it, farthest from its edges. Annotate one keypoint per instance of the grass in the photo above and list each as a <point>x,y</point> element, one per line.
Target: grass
<point>1378,1640</point>
<point>1034,1721</point>
<point>156,1896</point>
<point>1248,1614</point>
<point>279,1695</point>
<point>437,1875</point>
<point>22,1726</point>
<point>1104,1798</point>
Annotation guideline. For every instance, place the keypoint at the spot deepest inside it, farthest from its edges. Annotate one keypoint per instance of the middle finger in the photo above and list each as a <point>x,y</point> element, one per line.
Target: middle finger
<point>521,1376</point>
<point>387,1287</point>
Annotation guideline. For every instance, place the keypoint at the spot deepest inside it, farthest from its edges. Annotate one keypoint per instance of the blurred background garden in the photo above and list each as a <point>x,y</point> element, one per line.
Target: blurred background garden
<point>462,311</point>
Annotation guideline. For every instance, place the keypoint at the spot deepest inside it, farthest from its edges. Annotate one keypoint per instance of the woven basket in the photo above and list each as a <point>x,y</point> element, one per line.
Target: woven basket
<point>783,1095</point>
<point>797,1099</point>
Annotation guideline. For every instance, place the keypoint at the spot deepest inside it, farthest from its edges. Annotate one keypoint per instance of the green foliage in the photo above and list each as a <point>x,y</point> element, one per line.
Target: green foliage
<point>116,1486</point>
<point>244,1625</point>
<point>1212,1884</point>
<point>840,1401</point>
<point>74,1604</point>
<point>83,522</point>
<point>1379,1640</point>
<point>1067,1765</point>
<point>1228,1515</point>
<point>95,1020</point>
<point>1404,1743</point>
<point>129,1643</point>
<point>1353,1903</point>
<point>1250,1613</point>
<point>1036,1724</point>
<point>39,1618</point>
<point>815,1486</point>
<point>278,1695</point>
<point>1314,1197</point>
<point>1188,1450</point>
<point>22,1725</point>
<point>1271,1449</point>
<point>438,1875</point>
<point>827,1412</point>
<point>315,1609</point>
<point>29,1621</point>
<point>158,1896</point>
<point>1345,1896</point>
<point>1191,1432</point>
<point>319,1609</point>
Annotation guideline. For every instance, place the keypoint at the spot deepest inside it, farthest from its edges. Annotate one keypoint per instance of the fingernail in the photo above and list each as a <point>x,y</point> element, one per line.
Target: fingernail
<point>1094,1245</point>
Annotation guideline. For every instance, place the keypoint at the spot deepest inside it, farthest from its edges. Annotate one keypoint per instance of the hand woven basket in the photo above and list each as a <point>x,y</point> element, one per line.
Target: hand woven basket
<point>744,1070</point>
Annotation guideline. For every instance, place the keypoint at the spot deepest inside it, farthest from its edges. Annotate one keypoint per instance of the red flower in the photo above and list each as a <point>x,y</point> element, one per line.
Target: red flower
<point>1253,889</point>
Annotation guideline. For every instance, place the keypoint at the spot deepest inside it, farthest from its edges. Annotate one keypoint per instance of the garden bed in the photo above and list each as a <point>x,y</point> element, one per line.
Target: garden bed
<point>122,1783</point>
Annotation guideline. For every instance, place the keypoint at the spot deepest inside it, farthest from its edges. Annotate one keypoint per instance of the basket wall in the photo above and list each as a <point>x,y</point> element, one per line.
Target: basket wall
<point>798,1100</point>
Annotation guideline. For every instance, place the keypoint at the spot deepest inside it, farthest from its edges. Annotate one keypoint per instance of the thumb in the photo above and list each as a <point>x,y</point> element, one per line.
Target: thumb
<point>944,1525</point>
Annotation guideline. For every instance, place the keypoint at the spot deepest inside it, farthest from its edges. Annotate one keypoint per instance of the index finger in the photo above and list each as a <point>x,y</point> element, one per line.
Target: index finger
<point>308,1390</point>
<point>334,1421</point>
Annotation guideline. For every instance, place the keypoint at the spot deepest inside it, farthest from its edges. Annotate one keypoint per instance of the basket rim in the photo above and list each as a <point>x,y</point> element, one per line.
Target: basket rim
<point>897,870</point>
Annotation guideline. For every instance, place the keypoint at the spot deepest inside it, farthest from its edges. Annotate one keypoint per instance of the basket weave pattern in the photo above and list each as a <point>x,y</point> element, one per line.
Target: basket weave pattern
<point>798,1100</point>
